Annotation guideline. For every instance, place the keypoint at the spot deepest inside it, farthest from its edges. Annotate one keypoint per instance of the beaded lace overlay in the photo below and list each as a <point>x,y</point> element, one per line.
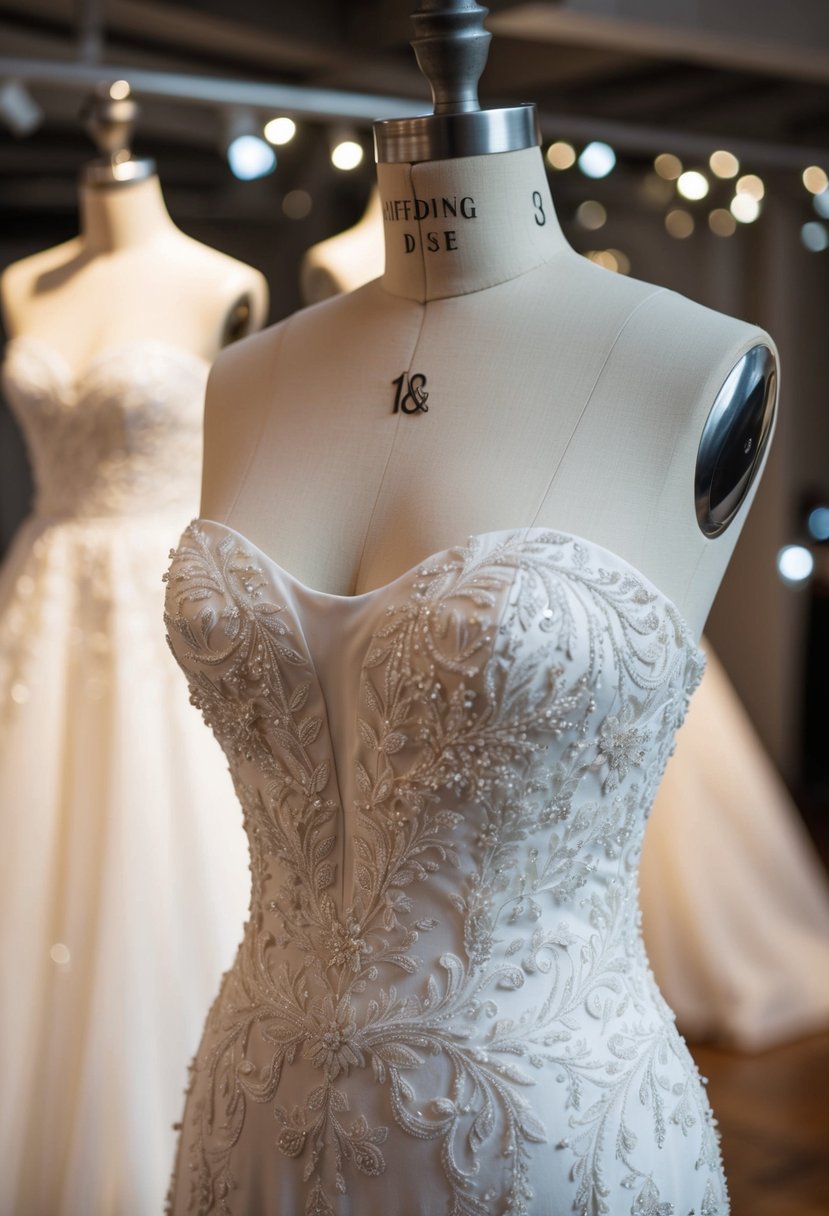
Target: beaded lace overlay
<point>445,798</point>
<point>123,438</point>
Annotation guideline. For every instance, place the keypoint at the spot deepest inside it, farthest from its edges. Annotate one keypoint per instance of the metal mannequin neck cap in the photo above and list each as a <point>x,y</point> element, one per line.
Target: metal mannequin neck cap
<point>451,45</point>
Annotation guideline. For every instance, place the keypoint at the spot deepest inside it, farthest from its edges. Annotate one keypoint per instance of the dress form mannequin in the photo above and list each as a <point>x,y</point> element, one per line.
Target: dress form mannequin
<point>117,917</point>
<point>154,282</point>
<point>347,260</point>
<point>381,692</point>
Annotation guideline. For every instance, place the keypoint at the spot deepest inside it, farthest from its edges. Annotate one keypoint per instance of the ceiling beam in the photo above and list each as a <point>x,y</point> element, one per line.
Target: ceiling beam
<point>308,101</point>
<point>328,104</point>
<point>714,42</point>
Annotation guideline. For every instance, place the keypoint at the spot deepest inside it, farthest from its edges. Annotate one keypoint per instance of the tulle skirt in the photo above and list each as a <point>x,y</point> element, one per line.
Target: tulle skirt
<point>734,899</point>
<point>123,871</point>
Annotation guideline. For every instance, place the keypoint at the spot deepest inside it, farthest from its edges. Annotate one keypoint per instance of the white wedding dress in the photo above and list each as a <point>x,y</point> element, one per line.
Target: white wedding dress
<point>441,1005</point>
<point>123,871</point>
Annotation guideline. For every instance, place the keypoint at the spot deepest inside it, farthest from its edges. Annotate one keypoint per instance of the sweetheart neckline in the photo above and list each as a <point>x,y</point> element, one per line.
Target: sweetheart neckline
<point>525,533</point>
<point>55,358</point>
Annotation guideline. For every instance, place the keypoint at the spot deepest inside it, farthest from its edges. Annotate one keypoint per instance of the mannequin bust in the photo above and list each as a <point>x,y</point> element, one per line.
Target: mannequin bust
<point>347,260</point>
<point>491,379</point>
<point>130,275</point>
<point>560,395</point>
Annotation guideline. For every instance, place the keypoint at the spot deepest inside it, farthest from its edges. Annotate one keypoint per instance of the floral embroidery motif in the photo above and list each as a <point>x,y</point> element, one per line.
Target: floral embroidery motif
<point>621,746</point>
<point>454,898</point>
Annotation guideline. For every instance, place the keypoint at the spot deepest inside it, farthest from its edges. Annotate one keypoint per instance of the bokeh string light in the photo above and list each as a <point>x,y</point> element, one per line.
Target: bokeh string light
<point>692,185</point>
<point>668,181</point>
<point>597,160</point>
<point>280,131</point>
<point>722,222</point>
<point>591,215</point>
<point>723,164</point>
<point>795,565</point>
<point>815,179</point>
<point>679,223</point>
<point>668,166</point>
<point>561,155</point>
<point>346,155</point>
<point>815,236</point>
<point>752,185</point>
<point>745,208</point>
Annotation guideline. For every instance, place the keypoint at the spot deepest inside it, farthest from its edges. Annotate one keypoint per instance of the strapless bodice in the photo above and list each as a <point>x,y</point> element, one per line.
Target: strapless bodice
<point>122,438</point>
<point>445,784</point>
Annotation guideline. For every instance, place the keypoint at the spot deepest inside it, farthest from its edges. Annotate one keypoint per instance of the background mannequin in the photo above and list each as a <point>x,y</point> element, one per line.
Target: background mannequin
<point>129,276</point>
<point>123,877</point>
<point>347,260</point>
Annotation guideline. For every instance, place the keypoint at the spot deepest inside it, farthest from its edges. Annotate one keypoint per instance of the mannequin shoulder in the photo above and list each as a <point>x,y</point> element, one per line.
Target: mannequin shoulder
<point>319,276</point>
<point>245,362</point>
<point>22,280</point>
<point>684,351</point>
<point>342,263</point>
<point>247,292</point>
<point>687,326</point>
<point>240,368</point>
<point>237,401</point>
<point>247,306</point>
<point>649,309</point>
<point>290,352</point>
<point>714,383</point>
<point>236,294</point>
<point>337,267</point>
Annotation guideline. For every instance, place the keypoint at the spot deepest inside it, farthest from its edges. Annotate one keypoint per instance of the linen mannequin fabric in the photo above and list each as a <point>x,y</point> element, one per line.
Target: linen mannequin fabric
<point>123,870</point>
<point>441,1003</point>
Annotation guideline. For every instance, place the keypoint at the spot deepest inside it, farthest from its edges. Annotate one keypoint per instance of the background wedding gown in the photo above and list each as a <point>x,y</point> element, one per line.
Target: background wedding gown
<point>734,898</point>
<point>123,872</point>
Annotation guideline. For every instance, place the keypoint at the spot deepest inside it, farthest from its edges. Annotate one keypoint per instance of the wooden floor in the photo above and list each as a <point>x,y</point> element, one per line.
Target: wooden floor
<point>773,1112</point>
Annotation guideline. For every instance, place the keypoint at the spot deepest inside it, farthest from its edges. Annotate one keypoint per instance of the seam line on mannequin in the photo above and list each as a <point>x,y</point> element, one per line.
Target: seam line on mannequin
<point>652,296</point>
<point>266,413</point>
<point>414,176</point>
<point>381,483</point>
